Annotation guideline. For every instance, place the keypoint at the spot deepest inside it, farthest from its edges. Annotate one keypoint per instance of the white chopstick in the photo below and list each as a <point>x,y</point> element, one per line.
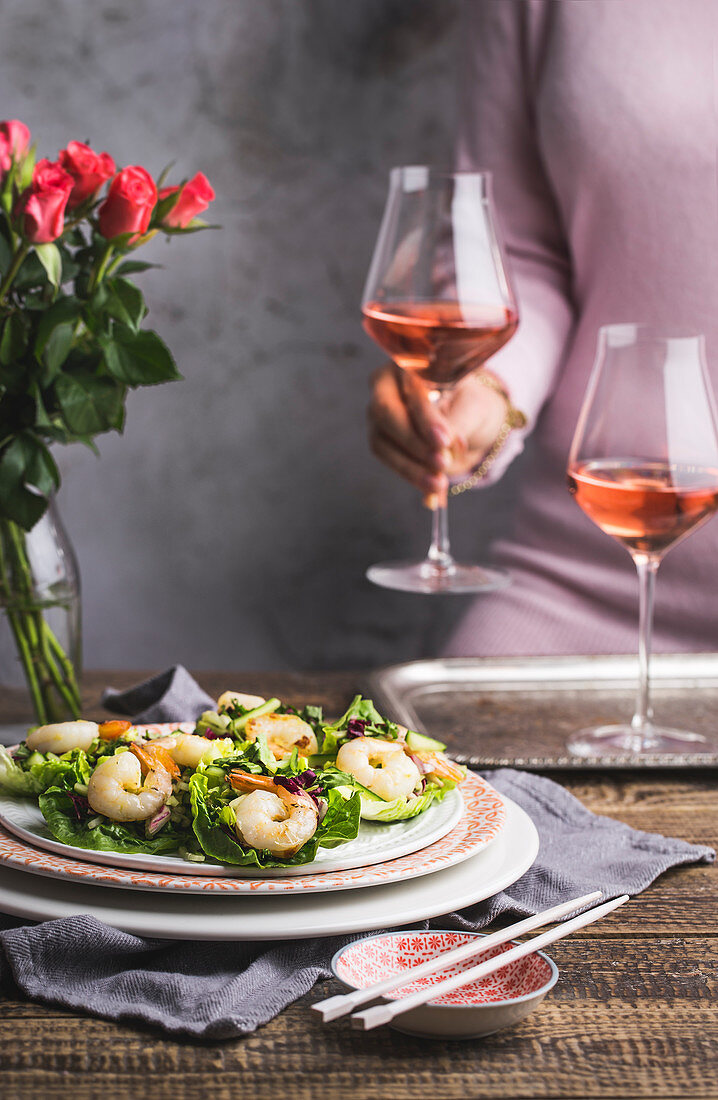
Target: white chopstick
<point>383,1014</point>
<point>344,1003</point>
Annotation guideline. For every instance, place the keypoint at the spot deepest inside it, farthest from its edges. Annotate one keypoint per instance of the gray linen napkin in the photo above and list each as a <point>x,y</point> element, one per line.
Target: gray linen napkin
<point>170,696</point>
<point>224,990</point>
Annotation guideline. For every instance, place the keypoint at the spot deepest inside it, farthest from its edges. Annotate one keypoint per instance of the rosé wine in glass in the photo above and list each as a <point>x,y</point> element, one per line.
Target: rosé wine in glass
<point>439,302</point>
<point>644,467</point>
<point>440,342</point>
<point>648,507</point>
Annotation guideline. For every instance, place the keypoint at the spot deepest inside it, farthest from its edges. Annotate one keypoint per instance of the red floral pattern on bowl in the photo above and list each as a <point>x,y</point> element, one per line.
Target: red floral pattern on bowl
<point>494,1002</point>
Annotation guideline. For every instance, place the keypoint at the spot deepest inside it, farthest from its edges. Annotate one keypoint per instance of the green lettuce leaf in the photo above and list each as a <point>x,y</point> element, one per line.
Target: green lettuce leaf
<point>214,828</point>
<point>14,779</point>
<point>30,773</point>
<point>62,819</point>
<point>363,709</point>
<point>401,809</point>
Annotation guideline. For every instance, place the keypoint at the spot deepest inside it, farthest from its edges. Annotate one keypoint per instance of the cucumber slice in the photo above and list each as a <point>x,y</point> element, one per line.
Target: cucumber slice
<point>419,742</point>
<point>266,708</point>
<point>366,795</point>
<point>218,723</point>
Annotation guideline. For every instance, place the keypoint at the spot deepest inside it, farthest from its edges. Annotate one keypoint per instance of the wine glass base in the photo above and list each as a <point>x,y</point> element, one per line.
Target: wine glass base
<point>624,740</point>
<point>435,580</point>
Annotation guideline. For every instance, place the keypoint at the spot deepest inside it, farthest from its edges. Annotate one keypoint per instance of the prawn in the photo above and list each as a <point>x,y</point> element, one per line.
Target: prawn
<point>60,737</point>
<point>283,733</point>
<point>271,818</point>
<point>436,764</point>
<point>187,749</point>
<point>382,766</point>
<point>114,729</point>
<point>237,698</point>
<point>131,786</point>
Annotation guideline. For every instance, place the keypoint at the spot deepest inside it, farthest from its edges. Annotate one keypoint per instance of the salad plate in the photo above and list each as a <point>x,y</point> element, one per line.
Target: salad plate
<point>173,915</point>
<point>189,824</point>
<point>469,822</point>
<point>376,843</point>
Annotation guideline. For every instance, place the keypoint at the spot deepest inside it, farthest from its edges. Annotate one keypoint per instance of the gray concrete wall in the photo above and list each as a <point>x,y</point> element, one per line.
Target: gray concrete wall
<point>231,524</point>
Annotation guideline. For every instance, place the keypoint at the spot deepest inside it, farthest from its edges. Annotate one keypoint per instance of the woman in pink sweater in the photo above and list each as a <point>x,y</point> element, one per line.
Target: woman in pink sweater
<point>597,120</point>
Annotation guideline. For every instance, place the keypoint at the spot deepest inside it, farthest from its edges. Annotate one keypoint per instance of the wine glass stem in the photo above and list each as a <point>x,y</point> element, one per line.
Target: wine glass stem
<point>647,567</point>
<point>439,551</point>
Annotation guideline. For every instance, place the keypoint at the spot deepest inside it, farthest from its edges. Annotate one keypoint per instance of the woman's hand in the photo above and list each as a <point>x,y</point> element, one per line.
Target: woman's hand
<point>424,443</point>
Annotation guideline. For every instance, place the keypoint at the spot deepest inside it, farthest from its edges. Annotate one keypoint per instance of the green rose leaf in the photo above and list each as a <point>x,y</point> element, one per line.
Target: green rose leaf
<point>13,342</point>
<point>31,274</point>
<point>88,403</point>
<point>5,253</point>
<point>138,359</point>
<point>21,505</point>
<point>56,335</point>
<point>57,349</point>
<point>134,267</point>
<point>50,258</point>
<point>164,206</point>
<point>125,302</point>
<point>27,168</point>
<point>42,471</point>
<point>43,424</point>
<point>27,474</point>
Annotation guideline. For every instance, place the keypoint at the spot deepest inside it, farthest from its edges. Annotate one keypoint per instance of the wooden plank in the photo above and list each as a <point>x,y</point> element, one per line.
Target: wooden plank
<point>632,1015</point>
<point>331,690</point>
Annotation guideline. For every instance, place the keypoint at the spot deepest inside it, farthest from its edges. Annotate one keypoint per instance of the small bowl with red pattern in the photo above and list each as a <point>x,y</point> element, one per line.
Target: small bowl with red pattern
<point>473,1010</point>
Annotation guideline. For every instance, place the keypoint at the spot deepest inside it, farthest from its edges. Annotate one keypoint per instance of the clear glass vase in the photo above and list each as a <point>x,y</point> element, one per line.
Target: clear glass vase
<point>40,640</point>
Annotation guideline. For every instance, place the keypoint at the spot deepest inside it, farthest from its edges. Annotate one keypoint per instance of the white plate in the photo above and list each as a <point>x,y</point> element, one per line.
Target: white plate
<point>376,843</point>
<point>479,824</point>
<point>293,916</point>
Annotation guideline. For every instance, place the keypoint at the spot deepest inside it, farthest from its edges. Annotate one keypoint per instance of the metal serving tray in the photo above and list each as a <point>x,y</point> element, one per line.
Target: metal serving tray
<point>518,712</point>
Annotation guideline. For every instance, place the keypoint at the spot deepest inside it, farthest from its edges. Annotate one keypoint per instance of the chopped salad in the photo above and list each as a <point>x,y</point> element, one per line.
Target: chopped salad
<point>256,784</point>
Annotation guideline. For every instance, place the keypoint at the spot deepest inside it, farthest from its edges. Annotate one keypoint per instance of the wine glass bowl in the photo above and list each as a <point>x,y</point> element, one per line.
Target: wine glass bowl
<point>438,341</point>
<point>643,467</point>
<point>438,301</point>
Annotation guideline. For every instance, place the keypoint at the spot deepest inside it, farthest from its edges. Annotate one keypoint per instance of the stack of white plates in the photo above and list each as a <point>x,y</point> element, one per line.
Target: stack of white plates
<point>460,851</point>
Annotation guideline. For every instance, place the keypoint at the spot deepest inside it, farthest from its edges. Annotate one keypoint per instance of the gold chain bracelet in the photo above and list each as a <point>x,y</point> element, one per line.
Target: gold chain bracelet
<point>514,418</point>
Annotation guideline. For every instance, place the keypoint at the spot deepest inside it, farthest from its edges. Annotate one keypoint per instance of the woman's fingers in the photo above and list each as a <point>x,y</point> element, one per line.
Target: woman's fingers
<point>427,421</point>
<point>391,418</point>
<point>476,414</point>
<point>428,482</point>
<point>423,442</point>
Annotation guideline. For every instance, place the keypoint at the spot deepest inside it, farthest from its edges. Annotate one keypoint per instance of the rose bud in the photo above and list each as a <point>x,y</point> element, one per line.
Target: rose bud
<point>195,196</point>
<point>129,204</point>
<point>14,141</point>
<point>43,205</point>
<point>88,169</point>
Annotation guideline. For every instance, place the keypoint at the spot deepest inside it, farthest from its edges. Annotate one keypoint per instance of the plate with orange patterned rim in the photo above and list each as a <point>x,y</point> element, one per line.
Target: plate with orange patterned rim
<point>480,819</point>
<point>237,917</point>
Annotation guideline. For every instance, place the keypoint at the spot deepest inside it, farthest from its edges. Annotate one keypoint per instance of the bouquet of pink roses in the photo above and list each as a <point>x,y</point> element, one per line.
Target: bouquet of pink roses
<point>71,335</point>
<point>72,344</point>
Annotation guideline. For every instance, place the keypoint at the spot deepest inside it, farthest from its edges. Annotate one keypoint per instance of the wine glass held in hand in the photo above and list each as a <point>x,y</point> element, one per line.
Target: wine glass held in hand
<point>644,467</point>
<point>439,302</point>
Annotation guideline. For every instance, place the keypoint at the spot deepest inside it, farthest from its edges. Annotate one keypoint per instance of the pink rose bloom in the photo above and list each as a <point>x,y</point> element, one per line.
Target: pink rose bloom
<point>88,169</point>
<point>44,203</point>
<point>14,140</point>
<point>196,195</point>
<point>129,204</point>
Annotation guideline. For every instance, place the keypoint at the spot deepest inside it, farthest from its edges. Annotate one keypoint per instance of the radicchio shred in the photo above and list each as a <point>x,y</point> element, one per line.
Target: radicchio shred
<point>300,784</point>
<point>80,805</point>
<point>356,727</point>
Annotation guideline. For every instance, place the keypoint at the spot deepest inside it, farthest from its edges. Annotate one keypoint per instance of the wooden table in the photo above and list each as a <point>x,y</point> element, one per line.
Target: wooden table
<point>633,1014</point>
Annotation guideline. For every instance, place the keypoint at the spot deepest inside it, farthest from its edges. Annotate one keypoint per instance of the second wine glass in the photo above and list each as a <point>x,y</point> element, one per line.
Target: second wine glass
<point>439,302</point>
<point>644,467</point>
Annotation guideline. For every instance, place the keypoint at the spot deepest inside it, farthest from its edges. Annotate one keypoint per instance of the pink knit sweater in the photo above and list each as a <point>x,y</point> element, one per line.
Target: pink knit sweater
<point>597,119</point>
